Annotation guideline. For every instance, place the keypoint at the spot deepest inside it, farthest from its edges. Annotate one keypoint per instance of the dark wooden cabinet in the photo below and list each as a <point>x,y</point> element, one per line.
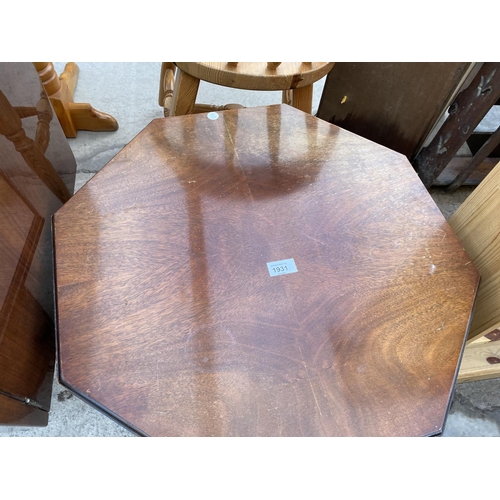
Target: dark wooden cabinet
<point>37,174</point>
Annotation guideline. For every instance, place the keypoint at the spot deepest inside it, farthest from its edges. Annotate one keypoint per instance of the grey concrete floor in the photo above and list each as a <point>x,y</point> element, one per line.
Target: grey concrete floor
<point>128,91</point>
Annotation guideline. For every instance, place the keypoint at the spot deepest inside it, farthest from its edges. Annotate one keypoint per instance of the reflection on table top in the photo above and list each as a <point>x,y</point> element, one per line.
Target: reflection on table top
<point>170,321</point>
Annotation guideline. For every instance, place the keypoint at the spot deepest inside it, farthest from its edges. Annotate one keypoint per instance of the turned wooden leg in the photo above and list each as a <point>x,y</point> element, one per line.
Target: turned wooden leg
<point>71,116</point>
<point>44,113</point>
<point>59,96</point>
<point>185,91</point>
<point>207,108</point>
<point>49,77</point>
<point>302,98</point>
<point>161,90</point>
<point>167,82</point>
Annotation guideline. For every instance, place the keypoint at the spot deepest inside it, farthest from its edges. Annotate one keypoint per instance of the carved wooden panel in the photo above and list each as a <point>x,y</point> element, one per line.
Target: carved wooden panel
<point>37,174</point>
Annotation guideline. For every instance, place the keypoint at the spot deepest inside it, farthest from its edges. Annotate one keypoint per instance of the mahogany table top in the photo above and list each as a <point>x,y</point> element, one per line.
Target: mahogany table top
<point>171,321</point>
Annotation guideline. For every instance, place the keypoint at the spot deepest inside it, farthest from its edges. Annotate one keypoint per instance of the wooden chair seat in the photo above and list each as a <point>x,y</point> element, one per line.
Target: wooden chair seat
<point>179,82</point>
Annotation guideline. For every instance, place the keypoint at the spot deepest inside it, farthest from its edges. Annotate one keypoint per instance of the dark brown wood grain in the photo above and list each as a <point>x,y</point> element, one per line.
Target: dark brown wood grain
<point>169,321</point>
<point>394,104</point>
<point>37,170</point>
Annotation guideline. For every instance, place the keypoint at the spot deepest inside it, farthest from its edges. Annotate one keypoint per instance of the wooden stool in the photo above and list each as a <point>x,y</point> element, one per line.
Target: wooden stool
<point>179,82</point>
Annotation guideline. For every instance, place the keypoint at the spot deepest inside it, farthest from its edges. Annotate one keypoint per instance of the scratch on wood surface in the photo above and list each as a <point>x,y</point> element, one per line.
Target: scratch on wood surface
<point>311,238</point>
<point>310,383</point>
<point>444,234</point>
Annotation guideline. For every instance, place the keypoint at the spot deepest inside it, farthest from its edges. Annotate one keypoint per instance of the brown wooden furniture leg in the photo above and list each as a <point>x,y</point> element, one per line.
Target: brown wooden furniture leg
<point>302,98</point>
<point>184,96</point>
<point>167,82</point>
<point>299,98</point>
<point>72,116</point>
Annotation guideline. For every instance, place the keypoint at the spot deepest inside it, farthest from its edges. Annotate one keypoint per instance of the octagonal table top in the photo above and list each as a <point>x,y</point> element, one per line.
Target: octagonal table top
<point>260,272</point>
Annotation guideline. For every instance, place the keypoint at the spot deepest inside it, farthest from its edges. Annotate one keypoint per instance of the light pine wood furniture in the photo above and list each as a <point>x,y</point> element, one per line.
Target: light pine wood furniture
<point>71,115</point>
<point>169,317</point>
<point>179,82</point>
<point>477,225</point>
<point>37,174</point>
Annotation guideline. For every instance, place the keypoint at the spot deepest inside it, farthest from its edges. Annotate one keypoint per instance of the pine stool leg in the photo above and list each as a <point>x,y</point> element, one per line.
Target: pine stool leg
<point>167,82</point>
<point>302,98</point>
<point>185,91</point>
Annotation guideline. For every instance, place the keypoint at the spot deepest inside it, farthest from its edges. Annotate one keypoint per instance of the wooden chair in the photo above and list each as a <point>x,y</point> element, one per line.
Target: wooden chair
<point>179,82</point>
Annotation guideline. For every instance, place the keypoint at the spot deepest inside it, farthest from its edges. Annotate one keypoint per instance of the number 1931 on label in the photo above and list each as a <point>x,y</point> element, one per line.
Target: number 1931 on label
<point>279,267</point>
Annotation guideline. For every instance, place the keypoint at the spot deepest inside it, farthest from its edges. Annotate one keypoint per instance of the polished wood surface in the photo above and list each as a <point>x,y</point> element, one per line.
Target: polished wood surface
<point>394,104</point>
<point>37,173</point>
<point>21,348</point>
<point>169,320</point>
<point>31,150</point>
<point>72,116</point>
<point>179,82</point>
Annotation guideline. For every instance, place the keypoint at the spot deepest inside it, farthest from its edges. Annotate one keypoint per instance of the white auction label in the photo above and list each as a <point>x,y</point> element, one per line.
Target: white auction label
<point>280,267</point>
